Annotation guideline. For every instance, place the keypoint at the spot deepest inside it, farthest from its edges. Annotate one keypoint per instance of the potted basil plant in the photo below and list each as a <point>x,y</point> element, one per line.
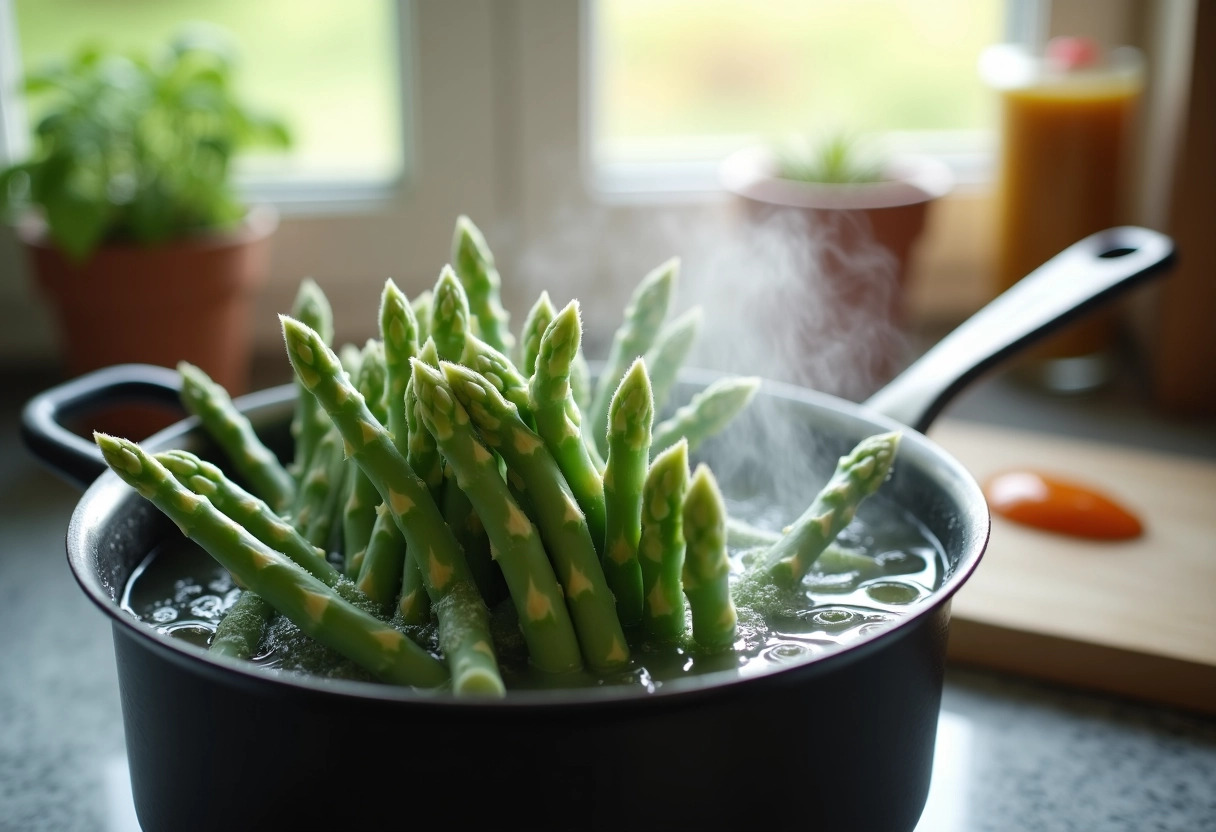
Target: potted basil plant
<point>127,211</point>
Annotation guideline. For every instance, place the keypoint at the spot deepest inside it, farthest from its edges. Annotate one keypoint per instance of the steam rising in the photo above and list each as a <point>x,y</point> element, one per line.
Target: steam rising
<point>783,299</point>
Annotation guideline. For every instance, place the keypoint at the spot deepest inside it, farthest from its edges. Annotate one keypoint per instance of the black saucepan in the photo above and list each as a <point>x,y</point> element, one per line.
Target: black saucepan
<point>842,740</point>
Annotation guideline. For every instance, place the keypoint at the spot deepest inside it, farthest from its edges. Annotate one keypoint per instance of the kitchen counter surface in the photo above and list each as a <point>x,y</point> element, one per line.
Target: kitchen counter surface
<point>1013,754</point>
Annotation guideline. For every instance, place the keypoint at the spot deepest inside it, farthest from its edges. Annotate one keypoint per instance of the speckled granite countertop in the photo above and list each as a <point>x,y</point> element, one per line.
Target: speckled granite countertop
<point>1012,754</point>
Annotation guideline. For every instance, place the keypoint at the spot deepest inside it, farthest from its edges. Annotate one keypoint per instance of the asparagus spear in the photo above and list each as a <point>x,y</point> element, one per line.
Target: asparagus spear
<point>554,411</point>
<point>464,634</point>
<point>309,422</point>
<point>580,381</point>
<point>629,422</point>
<point>207,480</point>
<point>240,630</point>
<point>421,304</point>
<point>706,572</point>
<point>475,267</point>
<point>661,547</point>
<point>314,607</point>
<point>382,566</point>
<point>449,315</point>
<point>359,507</point>
<point>668,353</point>
<point>233,432</point>
<point>858,474</point>
<point>563,527</point>
<point>399,329</point>
<point>423,457</point>
<point>501,372</point>
<point>399,334</point>
<point>707,413</point>
<point>644,315</point>
<point>454,504</point>
<point>537,321</point>
<point>543,617</point>
<point>324,475</point>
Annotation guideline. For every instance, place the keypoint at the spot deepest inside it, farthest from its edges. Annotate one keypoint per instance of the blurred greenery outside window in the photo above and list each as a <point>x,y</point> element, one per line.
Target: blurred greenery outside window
<point>330,70</point>
<point>684,82</point>
<point>671,85</point>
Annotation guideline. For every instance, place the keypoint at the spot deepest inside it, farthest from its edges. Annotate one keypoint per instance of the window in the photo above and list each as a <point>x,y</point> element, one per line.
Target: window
<point>674,82</point>
<point>329,69</point>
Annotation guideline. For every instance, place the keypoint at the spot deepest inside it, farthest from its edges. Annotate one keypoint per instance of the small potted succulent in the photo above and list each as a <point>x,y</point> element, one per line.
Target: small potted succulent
<point>853,212</point>
<point>127,211</point>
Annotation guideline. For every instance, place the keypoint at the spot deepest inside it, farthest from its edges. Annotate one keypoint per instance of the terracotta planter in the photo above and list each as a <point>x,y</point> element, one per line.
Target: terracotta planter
<point>858,240</point>
<point>188,300</point>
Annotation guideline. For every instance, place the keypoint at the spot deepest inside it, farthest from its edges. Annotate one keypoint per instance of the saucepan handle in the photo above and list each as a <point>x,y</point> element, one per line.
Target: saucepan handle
<point>1083,276</point>
<point>45,417</point>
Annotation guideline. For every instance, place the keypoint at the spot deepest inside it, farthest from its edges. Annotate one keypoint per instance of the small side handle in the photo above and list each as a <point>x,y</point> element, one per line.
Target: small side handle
<point>44,417</point>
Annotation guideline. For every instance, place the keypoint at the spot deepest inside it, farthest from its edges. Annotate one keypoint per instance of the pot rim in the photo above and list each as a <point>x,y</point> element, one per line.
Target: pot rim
<point>107,492</point>
<point>912,179</point>
<point>261,220</point>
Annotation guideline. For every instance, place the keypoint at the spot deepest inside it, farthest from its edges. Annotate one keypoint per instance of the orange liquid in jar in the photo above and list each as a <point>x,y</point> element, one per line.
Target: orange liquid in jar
<point>1064,149</point>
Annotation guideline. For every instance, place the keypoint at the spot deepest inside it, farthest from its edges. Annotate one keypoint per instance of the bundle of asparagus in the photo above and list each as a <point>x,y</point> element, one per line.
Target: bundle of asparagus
<point>448,467</point>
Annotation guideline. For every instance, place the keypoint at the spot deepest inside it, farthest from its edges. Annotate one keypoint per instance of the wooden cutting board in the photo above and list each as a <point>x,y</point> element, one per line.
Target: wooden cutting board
<point>1136,618</point>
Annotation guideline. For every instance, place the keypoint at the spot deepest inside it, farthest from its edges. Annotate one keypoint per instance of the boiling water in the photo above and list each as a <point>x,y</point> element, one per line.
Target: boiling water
<point>879,568</point>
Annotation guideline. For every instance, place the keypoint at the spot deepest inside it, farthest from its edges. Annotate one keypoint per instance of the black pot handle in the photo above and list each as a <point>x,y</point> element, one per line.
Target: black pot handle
<point>71,456</point>
<point>1083,276</point>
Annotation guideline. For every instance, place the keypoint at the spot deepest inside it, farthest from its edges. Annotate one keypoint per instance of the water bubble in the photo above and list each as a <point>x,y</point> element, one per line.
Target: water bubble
<point>788,652</point>
<point>833,620</point>
<point>194,632</point>
<point>894,593</point>
<point>163,615</point>
<point>207,606</point>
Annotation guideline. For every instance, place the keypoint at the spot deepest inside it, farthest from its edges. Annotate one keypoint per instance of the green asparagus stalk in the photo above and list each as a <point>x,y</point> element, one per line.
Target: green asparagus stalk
<point>399,330</point>
<point>580,381</point>
<point>464,634</point>
<point>233,432</point>
<point>399,334</point>
<point>563,527</point>
<point>706,572</point>
<point>359,508</point>
<point>314,607</point>
<point>706,414</point>
<point>644,315</point>
<point>543,617</point>
<point>207,480</point>
<point>536,322</point>
<point>309,422</point>
<point>475,267</point>
<point>661,547</point>
<point>383,564</point>
<point>421,304</point>
<point>423,457</point>
<point>422,453</point>
<point>449,315</point>
<point>501,372</point>
<point>668,353</point>
<point>858,475</point>
<point>555,411</point>
<point>314,515</point>
<point>240,630</point>
<point>629,422</point>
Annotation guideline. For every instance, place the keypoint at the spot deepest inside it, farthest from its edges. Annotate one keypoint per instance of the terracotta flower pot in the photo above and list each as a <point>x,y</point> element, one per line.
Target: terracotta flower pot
<point>858,240</point>
<point>188,300</point>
